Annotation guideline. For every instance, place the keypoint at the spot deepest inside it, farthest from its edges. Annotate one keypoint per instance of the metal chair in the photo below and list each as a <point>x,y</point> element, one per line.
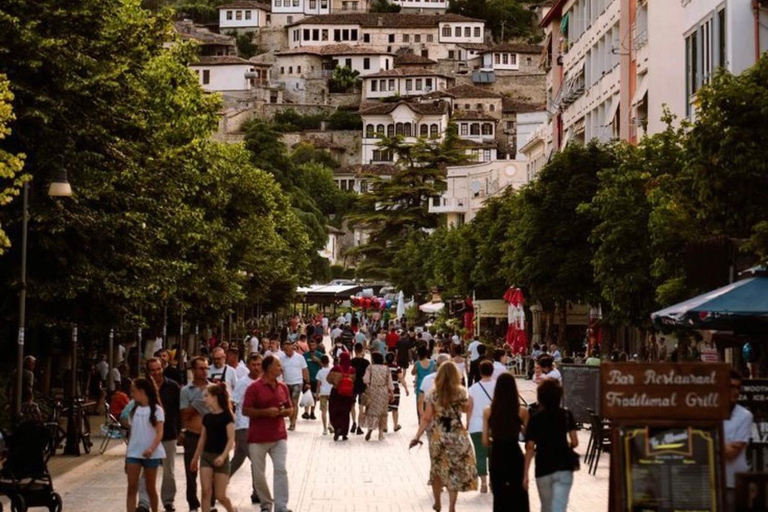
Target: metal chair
<point>111,429</point>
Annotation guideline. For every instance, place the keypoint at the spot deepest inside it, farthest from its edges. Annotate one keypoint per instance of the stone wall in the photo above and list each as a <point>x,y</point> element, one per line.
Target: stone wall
<point>271,39</point>
<point>350,140</point>
<point>528,87</point>
<point>345,99</point>
<point>268,110</point>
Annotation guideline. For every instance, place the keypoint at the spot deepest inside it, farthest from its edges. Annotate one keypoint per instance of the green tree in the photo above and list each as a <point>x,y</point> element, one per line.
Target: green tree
<point>624,248</point>
<point>245,45</point>
<point>505,18</point>
<point>397,206</point>
<point>10,165</point>
<point>157,211</point>
<point>727,157</point>
<point>384,6</point>
<point>547,249</point>
<point>343,79</point>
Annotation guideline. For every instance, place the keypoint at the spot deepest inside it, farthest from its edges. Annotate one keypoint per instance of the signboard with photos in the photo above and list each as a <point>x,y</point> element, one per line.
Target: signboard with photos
<point>667,435</point>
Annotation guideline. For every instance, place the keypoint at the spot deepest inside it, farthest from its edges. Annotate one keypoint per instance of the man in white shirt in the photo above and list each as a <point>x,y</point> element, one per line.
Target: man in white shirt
<point>472,348</point>
<point>428,382</point>
<point>295,376</point>
<point>548,369</point>
<point>737,431</point>
<point>243,422</point>
<point>234,361</point>
<point>499,363</point>
<point>220,371</point>
<point>120,353</point>
<point>480,397</point>
<point>253,343</point>
<point>335,333</point>
<point>103,367</point>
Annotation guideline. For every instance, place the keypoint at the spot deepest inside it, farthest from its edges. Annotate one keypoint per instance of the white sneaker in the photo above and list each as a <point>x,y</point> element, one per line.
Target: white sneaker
<point>325,431</point>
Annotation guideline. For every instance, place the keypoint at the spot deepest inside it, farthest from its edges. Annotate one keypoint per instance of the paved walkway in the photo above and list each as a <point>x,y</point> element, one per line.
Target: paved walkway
<point>324,476</point>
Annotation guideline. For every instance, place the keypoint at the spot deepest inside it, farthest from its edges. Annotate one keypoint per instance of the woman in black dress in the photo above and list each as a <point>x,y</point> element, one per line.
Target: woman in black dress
<point>398,381</point>
<point>503,422</point>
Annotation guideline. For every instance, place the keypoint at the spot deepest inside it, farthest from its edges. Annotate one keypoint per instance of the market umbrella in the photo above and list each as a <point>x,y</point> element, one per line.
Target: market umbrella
<point>741,306</point>
<point>400,305</point>
<point>432,307</point>
<point>516,335</point>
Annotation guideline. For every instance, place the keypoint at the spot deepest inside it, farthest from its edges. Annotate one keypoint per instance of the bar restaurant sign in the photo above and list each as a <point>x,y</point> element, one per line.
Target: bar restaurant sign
<point>667,392</point>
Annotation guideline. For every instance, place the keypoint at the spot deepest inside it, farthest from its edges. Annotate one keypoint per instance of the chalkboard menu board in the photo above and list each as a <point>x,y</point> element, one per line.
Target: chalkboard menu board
<point>754,396</point>
<point>670,469</point>
<point>581,390</point>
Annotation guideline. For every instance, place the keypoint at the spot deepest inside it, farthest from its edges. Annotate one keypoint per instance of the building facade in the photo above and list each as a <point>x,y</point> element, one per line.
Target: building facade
<point>245,16</point>
<point>411,120</point>
<point>403,82</point>
<point>224,74</point>
<point>434,36</point>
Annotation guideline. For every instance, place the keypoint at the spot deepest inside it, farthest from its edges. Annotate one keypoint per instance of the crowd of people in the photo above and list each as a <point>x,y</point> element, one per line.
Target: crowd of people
<point>352,379</point>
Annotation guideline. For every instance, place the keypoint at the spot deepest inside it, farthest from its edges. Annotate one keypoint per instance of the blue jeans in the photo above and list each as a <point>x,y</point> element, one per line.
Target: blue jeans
<point>554,489</point>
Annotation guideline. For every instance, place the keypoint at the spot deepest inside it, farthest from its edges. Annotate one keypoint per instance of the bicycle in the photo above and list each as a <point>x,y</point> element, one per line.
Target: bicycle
<point>58,434</point>
<point>82,425</point>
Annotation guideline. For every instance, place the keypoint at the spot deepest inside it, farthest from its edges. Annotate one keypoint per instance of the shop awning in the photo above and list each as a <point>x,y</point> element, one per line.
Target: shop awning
<point>610,113</point>
<point>739,307</point>
<point>642,89</point>
<point>564,24</point>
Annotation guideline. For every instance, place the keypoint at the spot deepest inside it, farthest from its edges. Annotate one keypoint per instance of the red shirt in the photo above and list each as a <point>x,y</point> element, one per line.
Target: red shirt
<point>392,339</point>
<point>261,395</point>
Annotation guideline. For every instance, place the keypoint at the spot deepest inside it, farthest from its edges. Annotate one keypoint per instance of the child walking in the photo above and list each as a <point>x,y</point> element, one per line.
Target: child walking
<point>324,390</point>
<point>145,448</point>
<point>216,441</point>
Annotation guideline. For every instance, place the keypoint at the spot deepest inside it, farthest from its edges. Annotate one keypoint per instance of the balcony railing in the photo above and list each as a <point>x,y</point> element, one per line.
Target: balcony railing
<point>448,205</point>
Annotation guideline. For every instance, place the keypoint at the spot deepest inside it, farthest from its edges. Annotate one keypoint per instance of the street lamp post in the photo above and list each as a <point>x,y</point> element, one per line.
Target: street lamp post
<point>60,187</point>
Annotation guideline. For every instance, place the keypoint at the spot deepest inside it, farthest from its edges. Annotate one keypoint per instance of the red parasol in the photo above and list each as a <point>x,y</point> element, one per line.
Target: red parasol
<point>469,318</point>
<point>517,338</point>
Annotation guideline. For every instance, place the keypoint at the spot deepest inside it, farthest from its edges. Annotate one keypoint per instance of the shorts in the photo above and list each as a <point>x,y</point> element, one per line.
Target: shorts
<point>206,461</point>
<point>145,463</point>
<point>323,403</point>
<point>295,390</point>
<point>313,388</point>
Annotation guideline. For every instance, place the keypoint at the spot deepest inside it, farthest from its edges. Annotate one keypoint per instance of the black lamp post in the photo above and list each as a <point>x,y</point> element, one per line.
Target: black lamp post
<point>60,187</point>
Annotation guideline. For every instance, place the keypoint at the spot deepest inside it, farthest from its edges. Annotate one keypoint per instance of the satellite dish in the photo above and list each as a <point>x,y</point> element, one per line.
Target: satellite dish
<point>475,186</point>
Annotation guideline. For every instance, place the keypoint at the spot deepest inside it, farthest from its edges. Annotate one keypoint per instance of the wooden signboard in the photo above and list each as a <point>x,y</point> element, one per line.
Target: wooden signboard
<point>668,469</point>
<point>581,390</point>
<point>668,392</point>
<point>667,440</point>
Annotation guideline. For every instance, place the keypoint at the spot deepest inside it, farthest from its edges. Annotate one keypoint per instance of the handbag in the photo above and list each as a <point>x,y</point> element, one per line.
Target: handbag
<point>573,458</point>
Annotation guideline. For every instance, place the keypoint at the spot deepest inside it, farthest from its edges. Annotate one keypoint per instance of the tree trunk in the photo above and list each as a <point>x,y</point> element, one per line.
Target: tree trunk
<point>563,311</point>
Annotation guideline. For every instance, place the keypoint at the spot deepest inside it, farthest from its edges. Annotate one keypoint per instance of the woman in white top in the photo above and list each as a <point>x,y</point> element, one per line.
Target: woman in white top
<point>145,448</point>
<point>480,397</point>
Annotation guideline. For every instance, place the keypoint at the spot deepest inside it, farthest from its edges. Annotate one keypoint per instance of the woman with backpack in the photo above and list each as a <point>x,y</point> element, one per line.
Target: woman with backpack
<point>342,378</point>
<point>145,447</point>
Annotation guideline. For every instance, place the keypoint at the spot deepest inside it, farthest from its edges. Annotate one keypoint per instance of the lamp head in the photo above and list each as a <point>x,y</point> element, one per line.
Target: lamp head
<point>60,186</point>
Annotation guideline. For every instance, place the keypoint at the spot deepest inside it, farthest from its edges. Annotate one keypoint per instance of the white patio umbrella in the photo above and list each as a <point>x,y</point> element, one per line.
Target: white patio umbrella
<point>400,305</point>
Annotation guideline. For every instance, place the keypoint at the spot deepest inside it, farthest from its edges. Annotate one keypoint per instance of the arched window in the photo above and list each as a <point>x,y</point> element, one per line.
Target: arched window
<point>398,128</point>
<point>407,129</point>
<point>424,130</point>
<point>433,131</point>
<point>491,107</point>
<point>369,131</point>
<point>380,129</point>
<point>487,129</point>
<point>390,130</point>
<point>474,129</point>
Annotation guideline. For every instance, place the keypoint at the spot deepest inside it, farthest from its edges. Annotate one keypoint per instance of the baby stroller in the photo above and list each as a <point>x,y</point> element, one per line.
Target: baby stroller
<point>24,477</point>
